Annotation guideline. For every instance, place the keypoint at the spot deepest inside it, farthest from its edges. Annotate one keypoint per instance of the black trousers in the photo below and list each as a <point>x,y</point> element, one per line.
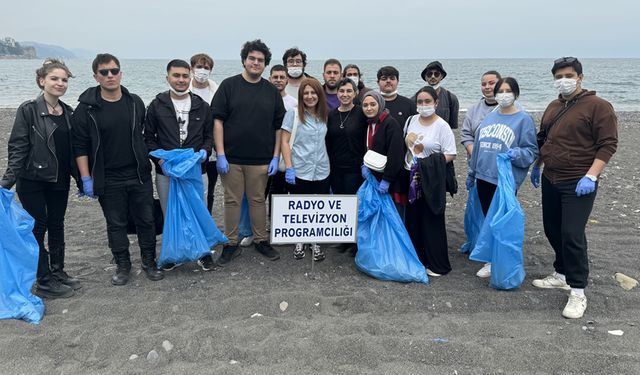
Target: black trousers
<point>564,216</point>
<point>212,175</point>
<point>428,234</point>
<point>486,191</point>
<point>47,207</point>
<point>345,182</point>
<point>309,187</point>
<point>116,200</point>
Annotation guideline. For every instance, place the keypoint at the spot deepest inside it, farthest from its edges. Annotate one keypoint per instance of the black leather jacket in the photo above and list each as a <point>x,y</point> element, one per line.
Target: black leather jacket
<point>32,151</point>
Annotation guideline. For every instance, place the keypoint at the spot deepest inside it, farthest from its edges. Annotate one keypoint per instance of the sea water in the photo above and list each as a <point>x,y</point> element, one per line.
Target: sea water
<point>616,80</point>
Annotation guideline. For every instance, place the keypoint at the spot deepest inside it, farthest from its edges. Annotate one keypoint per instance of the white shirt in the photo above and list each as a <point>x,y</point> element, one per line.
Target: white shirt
<point>423,141</point>
<point>182,107</point>
<point>289,102</point>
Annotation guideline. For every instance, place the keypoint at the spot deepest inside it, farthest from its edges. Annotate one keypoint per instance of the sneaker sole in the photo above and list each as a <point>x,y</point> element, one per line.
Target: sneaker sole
<point>48,295</point>
<point>551,287</point>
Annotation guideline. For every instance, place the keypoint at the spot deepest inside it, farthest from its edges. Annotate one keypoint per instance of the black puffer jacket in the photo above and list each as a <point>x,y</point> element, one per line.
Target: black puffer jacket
<point>86,135</point>
<point>32,151</point>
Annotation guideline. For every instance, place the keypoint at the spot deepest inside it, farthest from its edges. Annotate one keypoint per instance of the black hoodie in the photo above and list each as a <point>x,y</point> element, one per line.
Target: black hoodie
<point>86,135</point>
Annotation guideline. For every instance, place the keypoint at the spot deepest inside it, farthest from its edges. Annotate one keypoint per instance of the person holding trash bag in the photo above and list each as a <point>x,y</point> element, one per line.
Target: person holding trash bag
<point>304,149</point>
<point>386,148</point>
<point>508,130</point>
<point>430,146</point>
<point>179,119</point>
<point>40,165</point>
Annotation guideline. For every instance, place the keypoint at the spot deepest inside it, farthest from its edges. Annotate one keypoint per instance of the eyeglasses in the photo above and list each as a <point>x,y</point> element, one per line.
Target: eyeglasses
<point>105,72</point>
<point>294,61</point>
<point>565,60</point>
<point>433,73</point>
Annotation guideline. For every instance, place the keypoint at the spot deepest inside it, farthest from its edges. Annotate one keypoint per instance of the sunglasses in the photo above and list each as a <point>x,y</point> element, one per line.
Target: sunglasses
<point>433,73</point>
<point>565,60</point>
<point>105,72</point>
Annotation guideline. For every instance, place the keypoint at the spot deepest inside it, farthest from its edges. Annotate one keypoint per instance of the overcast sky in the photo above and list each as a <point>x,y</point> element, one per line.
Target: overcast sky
<point>362,29</point>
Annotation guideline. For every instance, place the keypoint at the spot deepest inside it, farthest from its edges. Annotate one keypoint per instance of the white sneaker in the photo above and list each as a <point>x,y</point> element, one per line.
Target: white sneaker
<point>485,271</point>
<point>247,241</point>
<point>575,306</point>
<point>551,282</point>
<point>433,274</point>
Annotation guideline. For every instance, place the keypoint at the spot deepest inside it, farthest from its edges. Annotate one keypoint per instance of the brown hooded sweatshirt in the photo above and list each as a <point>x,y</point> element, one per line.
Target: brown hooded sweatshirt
<point>587,131</point>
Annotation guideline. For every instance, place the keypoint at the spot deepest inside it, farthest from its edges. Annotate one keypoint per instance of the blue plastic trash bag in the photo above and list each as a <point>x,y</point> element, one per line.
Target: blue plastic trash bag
<point>502,234</point>
<point>473,219</point>
<point>244,227</point>
<point>18,262</point>
<point>189,231</point>
<point>385,250</point>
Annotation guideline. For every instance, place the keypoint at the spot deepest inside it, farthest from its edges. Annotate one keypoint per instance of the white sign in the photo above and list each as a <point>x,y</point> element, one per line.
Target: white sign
<point>313,218</point>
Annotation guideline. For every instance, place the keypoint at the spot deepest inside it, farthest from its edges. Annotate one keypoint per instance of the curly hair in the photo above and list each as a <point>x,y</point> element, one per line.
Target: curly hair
<point>256,45</point>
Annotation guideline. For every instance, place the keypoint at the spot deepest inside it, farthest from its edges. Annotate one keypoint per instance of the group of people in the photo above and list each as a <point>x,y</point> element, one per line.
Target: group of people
<point>293,134</point>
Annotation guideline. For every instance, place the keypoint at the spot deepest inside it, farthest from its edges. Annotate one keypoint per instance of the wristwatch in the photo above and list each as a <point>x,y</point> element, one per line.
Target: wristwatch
<point>591,177</point>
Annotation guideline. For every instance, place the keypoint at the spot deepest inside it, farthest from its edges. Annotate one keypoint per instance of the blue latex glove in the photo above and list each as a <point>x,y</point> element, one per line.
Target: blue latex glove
<point>290,176</point>
<point>512,154</point>
<point>365,171</point>
<point>535,176</point>
<point>203,156</point>
<point>87,186</point>
<point>471,181</point>
<point>383,188</point>
<point>273,166</point>
<point>585,186</point>
<point>222,165</point>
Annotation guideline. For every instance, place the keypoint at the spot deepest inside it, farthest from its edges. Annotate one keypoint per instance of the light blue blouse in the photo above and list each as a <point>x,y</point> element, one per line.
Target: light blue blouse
<point>309,151</point>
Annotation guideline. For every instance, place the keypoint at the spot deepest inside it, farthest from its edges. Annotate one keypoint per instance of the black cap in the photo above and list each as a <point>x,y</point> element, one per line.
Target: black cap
<point>434,65</point>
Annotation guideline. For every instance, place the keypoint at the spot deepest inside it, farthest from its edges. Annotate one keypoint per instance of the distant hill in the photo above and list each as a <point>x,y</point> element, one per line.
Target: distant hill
<point>50,50</point>
<point>10,49</point>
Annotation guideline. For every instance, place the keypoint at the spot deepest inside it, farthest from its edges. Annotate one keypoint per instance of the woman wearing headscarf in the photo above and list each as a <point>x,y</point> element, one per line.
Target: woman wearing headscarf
<point>384,136</point>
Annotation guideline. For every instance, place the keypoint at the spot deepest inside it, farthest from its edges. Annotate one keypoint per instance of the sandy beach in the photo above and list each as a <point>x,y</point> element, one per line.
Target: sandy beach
<point>338,320</point>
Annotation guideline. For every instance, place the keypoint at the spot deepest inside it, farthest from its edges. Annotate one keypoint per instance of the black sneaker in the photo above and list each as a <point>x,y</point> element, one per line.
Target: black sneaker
<point>206,263</point>
<point>228,254</point>
<point>170,266</point>
<point>265,249</point>
<point>52,288</point>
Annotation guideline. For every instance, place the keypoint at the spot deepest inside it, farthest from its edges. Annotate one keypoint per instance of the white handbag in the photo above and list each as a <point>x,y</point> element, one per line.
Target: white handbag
<point>281,166</point>
<point>375,161</point>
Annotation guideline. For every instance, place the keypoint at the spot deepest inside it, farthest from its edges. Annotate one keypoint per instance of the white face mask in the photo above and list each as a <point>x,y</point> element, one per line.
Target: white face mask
<point>178,93</point>
<point>426,110</point>
<point>355,79</point>
<point>505,99</point>
<point>201,75</point>
<point>388,94</point>
<point>294,71</point>
<point>565,86</point>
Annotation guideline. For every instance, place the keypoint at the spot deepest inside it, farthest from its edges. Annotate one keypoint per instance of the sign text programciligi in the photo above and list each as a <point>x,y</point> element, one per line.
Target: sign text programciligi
<point>313,218</point>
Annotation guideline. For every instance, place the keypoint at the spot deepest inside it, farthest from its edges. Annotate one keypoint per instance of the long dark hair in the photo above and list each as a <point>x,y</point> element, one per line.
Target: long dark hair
<point>322,113</point>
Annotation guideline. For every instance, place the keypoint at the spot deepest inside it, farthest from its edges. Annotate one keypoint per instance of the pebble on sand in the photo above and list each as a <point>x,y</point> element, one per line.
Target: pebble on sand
<point>167,345</point>
<point>153,355</point>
